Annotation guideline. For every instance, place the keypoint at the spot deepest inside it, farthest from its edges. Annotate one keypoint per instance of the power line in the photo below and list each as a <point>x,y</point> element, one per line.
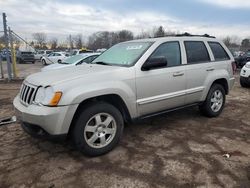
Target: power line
<point>22,39</point>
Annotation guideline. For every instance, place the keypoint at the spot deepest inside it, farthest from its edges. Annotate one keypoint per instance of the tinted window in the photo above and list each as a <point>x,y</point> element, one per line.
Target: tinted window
<point>196,52</point>
<point>218,51</point>
<point>169,50</point>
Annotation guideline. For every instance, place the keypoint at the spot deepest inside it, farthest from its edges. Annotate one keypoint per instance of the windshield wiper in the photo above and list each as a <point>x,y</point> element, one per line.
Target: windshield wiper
<point>101,63</point>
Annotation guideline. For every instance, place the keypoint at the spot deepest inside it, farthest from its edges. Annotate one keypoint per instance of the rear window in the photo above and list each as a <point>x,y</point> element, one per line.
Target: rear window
<point>196,52</point>
<point>219,52</point>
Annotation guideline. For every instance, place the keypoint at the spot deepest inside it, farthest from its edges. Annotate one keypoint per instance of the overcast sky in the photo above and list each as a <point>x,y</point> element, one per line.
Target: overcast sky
<point>63,17</point>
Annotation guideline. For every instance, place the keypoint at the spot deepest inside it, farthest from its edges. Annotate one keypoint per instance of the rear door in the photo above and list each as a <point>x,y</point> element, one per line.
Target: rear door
<point>197,69</point>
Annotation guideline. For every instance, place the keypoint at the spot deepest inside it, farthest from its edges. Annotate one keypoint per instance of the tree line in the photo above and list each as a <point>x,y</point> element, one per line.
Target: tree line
<point>106,39</point>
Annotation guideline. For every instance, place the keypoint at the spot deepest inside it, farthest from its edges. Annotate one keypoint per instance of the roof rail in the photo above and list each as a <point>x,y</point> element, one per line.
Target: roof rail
<point>190,35</point>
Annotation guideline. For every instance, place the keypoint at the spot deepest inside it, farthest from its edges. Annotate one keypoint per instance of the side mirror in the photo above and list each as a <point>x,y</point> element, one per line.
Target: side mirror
<point>153,63</point>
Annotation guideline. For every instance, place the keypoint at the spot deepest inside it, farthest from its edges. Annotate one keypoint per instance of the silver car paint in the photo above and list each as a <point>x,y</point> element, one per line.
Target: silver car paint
<point>143,92</point>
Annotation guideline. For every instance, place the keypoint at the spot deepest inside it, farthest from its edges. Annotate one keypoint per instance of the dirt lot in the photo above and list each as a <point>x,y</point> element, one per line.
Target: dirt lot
<point>179,149</point>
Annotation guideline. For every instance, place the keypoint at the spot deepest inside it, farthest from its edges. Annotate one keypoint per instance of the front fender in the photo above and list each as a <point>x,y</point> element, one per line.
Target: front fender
<point>79,94</point>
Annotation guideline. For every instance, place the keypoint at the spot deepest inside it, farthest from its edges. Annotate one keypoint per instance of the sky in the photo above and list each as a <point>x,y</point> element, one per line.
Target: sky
<point>59,18</point>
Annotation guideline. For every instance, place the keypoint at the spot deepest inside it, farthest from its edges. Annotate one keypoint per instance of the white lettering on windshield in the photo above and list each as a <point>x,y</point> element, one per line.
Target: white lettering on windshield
<point>138,47</point>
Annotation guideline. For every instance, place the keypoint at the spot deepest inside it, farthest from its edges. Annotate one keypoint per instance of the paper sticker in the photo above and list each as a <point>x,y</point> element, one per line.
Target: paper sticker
<point>137,47</point>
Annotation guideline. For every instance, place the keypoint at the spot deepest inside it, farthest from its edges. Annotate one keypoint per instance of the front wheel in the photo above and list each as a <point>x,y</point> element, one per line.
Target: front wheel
<point>98,129</point>
<point>244,83</point>
<point>44,62</point>
<point>215,101</point>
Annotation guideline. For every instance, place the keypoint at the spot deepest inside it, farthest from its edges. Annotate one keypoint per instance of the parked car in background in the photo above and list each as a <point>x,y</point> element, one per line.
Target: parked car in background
<point>25,56</point>
<point>81,51</point>
<point>130,81</point>
<point>101,50</point>
<point>73,61</point>
<point>54,57</point>
<point>242,59</point>
<point>245,75</point>
<point>3,54</point>
<point>42,53</point>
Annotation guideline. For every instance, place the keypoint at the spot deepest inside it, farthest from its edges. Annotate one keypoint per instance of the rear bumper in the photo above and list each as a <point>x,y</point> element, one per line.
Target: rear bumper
<point>52,120</point>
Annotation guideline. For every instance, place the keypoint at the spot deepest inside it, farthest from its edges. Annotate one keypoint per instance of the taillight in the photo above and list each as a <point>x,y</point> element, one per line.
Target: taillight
<point>234,67</point>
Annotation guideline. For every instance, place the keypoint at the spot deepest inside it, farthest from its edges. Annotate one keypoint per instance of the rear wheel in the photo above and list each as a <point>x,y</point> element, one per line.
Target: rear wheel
<point>59,61</point>
<point>98,129</point>
<point>214,103</point>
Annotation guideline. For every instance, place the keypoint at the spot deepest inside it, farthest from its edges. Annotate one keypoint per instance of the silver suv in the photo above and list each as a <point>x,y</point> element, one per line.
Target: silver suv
<point>132,80</point>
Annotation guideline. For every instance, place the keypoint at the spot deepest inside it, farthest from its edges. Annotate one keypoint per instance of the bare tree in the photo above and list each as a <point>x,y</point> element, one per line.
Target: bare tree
<point>106,39</point>
<point>40,38</point>
<point>54,43</point>
<point>159,32</point>
<point>227,41</point>
<point>78,41</point>
<point>143,35</point>
<point>125,35</point>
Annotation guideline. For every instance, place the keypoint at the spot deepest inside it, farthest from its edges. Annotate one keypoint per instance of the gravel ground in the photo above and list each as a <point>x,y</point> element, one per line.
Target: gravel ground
<point>179,149</point>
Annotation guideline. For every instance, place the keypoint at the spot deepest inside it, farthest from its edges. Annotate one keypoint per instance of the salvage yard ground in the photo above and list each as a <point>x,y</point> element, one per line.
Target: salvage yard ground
<point>179,149</point>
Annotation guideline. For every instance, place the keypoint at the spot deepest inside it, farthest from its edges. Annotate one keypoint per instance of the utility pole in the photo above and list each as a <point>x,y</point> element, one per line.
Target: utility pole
<point>13,54</point>
<point>7,46</point>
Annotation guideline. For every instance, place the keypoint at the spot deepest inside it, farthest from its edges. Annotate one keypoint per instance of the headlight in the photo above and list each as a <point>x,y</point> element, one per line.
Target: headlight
<point>247,65</point>
<point>47,96</point>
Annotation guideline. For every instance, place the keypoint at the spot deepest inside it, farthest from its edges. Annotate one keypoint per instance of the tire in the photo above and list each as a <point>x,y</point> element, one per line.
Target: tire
<point>44,62</point>
<point>33,62</point>
<point>215,101</point>
<point>243,82</point>
<point>89,133</point>
<point>59,61</point>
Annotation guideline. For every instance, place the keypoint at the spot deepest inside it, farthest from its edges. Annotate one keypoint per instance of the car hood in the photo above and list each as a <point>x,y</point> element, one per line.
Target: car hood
<point>70,73</point>
<point>56,66</point>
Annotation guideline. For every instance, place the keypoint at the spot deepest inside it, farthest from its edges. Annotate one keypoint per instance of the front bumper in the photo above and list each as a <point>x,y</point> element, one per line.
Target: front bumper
<point>53,120</point>
<point>245,72</point>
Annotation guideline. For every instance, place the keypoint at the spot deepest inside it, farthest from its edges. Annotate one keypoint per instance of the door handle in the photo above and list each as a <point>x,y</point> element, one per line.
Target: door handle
<point>178,74</point>
<point>210,69</point>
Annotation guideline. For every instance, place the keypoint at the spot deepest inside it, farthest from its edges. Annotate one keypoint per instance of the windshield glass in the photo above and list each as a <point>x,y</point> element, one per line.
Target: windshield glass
<point>73,59</point>
<point>123,54</point>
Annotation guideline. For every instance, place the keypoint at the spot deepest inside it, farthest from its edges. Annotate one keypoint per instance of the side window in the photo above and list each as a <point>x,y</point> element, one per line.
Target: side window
<point>169,50</point>
<point>196,52</point>
<point>219,52</point>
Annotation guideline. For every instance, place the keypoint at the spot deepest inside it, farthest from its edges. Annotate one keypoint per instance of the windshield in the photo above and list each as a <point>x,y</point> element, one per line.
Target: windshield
<point>123,54</point>
<point>73,59</point>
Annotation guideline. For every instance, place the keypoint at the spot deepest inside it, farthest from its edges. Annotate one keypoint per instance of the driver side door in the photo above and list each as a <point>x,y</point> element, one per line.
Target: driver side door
<point>162,88</point>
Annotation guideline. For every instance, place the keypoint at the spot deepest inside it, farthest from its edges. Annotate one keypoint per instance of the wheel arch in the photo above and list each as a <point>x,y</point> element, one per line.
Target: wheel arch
<point>112,99</point>
<point>223,82</point>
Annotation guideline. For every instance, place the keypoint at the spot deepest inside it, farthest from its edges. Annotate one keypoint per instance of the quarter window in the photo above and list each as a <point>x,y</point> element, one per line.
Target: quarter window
<point>169,50</point>
<point>196,52</point>
<point>219,53</point>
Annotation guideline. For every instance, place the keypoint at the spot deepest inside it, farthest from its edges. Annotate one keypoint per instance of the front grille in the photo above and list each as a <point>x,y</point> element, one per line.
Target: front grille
<point>27,93</point>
